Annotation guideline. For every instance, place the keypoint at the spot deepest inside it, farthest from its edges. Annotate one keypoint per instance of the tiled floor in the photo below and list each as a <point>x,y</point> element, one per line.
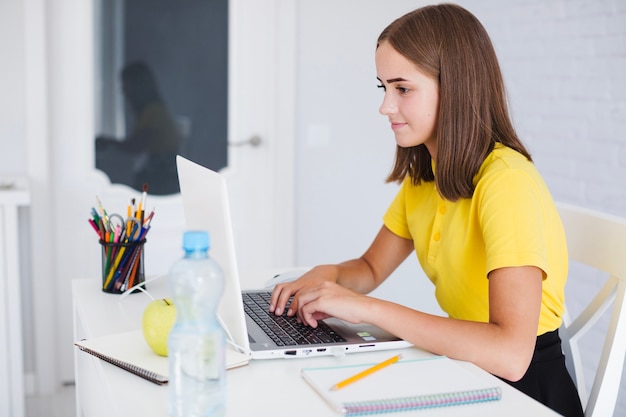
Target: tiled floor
<point>60,404</point>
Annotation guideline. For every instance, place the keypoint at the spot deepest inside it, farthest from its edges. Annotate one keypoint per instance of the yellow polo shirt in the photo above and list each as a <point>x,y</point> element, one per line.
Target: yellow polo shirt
<point>511,220</point>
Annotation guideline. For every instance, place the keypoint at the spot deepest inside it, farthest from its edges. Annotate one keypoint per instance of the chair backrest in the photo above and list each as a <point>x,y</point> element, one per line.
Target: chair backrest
<point>599,241</point>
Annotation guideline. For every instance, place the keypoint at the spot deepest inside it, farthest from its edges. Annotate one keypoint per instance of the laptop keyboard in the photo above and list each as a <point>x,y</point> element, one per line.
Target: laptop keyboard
<point>284,330</point>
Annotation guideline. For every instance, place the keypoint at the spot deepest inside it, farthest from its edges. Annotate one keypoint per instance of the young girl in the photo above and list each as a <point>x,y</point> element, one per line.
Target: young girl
<point>473,208</point>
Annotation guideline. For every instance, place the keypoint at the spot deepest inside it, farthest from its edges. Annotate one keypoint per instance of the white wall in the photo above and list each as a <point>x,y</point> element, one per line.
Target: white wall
<point>344,148</point>
<point>13,144</point>
<point>12,99</point>
<point>564,64</point>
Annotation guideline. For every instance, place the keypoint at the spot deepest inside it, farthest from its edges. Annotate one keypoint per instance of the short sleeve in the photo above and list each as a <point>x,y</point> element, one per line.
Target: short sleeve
<point>513,221</point>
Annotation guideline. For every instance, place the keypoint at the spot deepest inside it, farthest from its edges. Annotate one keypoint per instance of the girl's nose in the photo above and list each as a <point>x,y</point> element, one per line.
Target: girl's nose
<point>387,107</point>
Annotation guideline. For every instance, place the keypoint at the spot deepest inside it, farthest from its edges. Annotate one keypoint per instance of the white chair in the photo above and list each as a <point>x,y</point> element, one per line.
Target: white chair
<point>598,240</point>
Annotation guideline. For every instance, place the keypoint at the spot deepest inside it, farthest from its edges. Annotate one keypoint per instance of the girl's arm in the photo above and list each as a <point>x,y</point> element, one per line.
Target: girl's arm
<point>504,346</point>
<point>361,275</point>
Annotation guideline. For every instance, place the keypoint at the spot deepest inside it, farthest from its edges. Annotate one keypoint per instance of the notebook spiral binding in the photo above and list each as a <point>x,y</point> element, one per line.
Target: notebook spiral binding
<point>144,373</point>
<point>421,402</point>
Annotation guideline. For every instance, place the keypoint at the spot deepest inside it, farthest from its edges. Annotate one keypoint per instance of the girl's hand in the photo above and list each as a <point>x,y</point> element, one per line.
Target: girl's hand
<point>330,299</point>
<point>312,279</point>
<point>356,276</point>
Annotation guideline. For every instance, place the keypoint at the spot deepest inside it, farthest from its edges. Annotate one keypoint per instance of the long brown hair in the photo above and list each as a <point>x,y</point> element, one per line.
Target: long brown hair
<point>450,44</point>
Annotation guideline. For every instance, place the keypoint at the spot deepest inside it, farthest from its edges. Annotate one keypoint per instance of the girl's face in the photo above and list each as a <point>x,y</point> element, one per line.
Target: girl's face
<point>411,99</point>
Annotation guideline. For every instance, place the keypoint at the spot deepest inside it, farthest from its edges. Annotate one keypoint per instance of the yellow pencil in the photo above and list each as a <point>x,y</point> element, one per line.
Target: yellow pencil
<point>113,267</point>
<point>366,372</point>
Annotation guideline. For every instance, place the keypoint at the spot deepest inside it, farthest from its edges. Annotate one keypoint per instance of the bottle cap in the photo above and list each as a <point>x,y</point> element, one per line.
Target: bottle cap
<point>196,240</point>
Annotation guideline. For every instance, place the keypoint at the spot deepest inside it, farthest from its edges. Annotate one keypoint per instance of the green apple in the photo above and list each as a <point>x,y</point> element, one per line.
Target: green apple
<point>156,323</point>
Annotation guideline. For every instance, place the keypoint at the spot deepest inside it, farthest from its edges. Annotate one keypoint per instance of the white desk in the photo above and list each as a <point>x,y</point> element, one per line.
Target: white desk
<point>263,388</point>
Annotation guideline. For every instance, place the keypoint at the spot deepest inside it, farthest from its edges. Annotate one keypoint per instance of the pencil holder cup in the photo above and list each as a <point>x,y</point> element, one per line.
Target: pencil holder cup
<point>122,265</point>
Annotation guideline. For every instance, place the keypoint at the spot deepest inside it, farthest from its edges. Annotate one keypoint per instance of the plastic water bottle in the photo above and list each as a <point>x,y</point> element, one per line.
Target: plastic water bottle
<point>196,346</point>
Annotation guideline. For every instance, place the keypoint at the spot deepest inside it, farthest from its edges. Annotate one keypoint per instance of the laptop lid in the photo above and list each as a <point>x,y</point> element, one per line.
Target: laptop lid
<point>206,207</point>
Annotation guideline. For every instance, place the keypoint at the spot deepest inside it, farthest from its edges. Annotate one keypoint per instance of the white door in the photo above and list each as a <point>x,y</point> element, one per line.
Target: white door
<point>260,178</point>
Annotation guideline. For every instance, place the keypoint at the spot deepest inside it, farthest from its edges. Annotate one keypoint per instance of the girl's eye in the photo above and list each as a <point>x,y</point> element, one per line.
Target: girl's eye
<point>403,90</point>
<point>382,86</point>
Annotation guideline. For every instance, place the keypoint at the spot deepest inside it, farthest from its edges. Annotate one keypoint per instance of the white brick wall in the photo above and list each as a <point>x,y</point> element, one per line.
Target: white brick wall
<point>564,63</point>
<point>565,68</point>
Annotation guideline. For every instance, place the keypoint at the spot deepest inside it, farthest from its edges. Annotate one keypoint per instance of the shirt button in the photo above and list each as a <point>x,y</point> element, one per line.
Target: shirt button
<point>442,209</point>
<point>436,237</point>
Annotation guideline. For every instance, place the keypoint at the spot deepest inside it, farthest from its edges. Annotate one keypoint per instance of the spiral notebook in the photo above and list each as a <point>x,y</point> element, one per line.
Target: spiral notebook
<point>405,385</point>
<point>129,351</point>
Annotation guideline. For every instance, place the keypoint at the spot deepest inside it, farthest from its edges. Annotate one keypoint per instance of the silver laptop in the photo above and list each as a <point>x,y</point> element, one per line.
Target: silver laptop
<point>206,207</point>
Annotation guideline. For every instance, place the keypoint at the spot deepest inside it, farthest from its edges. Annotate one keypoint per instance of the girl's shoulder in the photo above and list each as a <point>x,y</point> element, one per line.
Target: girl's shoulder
<point>504,166</point>
<point>504,158</point>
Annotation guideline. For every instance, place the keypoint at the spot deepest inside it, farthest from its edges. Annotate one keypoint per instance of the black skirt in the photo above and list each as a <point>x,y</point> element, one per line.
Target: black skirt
<point>547,379</point>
